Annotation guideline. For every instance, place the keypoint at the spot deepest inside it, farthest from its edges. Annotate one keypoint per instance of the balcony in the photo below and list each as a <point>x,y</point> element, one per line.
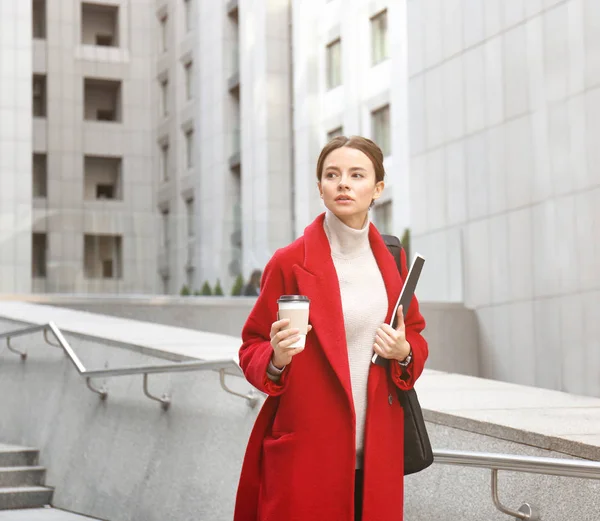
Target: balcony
<point>103,179</point>
<point>102,100</point>
<point>100,25</point>
<point>103,256</point>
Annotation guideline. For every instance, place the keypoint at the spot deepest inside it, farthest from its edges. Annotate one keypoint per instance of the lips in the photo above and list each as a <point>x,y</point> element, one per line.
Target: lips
<point>343,198</point>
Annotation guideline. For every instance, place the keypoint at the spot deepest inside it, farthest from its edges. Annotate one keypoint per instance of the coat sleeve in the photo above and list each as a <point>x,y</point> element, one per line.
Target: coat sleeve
<point>414,323</point>
<point>256,350</point>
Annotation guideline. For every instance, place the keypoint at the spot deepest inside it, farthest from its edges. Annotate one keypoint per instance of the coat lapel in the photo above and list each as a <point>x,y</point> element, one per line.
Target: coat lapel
<point>318,280</point>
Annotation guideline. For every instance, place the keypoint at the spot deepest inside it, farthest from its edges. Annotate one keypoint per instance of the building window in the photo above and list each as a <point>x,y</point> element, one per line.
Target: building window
<point>40,175</point>
<point>189,148</point>
<point>339,131</point>
<point>100,24</point>
<point>39,96</point>
<point>39,247</point>
<point>187,7</point>
<point>334,64</point>
<point>381,129</point>
<point>383,217</point>
<point>189,208</point>
<point>379,37</point>
<point>103,256</point>
<point>39,19</point>
<point>189,80</point>
<point>164,93</point>
<point>102,178</point>
<point>165,229</point>
<point>164,161</point>
<point>102,100</point>
<point>163,34</point>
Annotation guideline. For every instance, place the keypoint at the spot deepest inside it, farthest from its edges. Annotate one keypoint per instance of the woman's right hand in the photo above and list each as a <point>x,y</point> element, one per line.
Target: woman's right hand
<point>281,340</point>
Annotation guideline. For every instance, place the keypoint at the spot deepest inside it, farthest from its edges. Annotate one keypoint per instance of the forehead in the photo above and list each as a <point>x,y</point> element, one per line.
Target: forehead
<point>347,157</point>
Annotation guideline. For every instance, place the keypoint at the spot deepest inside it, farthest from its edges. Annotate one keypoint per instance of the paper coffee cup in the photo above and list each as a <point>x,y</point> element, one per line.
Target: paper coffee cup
<point>295,308</point>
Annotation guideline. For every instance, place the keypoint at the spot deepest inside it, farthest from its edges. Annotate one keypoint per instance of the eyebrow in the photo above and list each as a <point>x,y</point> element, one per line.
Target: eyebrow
<point>353,169</point>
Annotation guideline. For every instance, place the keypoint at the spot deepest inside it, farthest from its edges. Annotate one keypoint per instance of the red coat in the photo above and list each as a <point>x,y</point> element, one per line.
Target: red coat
<point>299,463</point>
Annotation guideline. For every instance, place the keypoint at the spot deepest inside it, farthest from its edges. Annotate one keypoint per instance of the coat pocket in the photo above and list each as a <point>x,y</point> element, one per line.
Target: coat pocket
<point>281,483</point>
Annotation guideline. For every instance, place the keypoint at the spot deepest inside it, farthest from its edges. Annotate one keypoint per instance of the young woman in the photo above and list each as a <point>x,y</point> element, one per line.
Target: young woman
<point>328,443</point>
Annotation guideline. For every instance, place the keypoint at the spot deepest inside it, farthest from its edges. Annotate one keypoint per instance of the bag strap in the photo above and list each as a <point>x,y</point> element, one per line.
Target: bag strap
<point>393,244</point>
<point>395,247</point>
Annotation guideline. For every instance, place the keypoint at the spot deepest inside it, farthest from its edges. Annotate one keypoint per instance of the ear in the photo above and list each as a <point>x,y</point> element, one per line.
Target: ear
<point>320,189</point>
<point>378,189</point>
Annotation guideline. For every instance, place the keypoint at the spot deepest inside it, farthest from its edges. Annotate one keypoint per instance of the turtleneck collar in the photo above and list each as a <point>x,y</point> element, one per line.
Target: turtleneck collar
<point>345,242</point>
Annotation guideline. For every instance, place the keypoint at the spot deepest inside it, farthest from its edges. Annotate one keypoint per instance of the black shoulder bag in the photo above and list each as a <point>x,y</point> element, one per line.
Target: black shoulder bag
<point>418,454</point>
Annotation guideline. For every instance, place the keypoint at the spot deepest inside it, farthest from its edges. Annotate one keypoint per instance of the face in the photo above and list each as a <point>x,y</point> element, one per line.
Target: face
<point>348,185</point>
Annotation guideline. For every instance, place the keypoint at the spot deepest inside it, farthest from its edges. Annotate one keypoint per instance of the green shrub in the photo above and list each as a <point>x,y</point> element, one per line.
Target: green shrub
<point>238,286</point>
<point>218,290</point>
<point>185,291</point>
<point>206,291</point>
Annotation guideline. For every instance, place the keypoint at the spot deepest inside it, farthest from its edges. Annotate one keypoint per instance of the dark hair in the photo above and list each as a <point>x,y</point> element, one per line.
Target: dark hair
<point>365,145</point>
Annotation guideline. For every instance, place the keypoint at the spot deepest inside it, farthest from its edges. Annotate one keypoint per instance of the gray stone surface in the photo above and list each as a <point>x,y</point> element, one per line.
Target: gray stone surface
<point>445,492</point>
<point>42,514</point>
<point>112,459</point>
<point>143,336</point>
<point>452,330</point>
<point>535,416</point>
<point>125,459</point>
<point>526,83</point>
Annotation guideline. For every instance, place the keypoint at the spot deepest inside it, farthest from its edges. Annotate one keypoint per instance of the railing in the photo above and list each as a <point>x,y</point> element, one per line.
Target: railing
<point>529,464</point>
<point>165,401</point>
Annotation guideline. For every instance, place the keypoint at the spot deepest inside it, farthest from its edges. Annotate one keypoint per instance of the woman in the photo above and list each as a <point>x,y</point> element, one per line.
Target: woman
<point>328,442</point>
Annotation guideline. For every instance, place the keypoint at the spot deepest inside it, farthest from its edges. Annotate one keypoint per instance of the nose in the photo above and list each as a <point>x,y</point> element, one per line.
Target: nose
<point>343,184</point>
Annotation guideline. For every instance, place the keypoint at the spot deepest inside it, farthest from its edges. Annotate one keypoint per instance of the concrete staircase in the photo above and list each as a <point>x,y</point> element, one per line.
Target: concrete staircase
<point>21,479</point>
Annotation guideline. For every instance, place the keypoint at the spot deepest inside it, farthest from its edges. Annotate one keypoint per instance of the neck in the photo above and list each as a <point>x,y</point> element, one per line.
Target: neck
<point>354,221</point>
<point>345,240</point>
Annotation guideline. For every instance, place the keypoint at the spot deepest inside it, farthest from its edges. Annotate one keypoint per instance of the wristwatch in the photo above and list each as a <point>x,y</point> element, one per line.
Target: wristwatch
<point>407,360</point>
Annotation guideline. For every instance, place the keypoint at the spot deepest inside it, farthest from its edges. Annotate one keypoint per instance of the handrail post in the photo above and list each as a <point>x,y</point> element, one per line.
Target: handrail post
<point>22,354</point>
<point>526,511</point>
<point>165,401</point>
<point>251,397</point>
<point>102,391</point>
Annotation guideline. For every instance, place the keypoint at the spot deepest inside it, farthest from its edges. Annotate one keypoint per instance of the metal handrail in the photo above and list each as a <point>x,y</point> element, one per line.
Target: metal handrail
<point>510,462</point>
<point>201,365</point>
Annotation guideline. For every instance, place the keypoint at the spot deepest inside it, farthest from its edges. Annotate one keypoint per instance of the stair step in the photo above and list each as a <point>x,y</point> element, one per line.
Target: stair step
<point>24,497</point>
<point>21,476</point>
<point>14,456</point>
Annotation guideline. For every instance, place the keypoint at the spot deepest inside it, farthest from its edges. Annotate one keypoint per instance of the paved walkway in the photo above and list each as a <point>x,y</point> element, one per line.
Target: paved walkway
<point>41,514</point>
<point>148,337</point>
<point>553,420</point>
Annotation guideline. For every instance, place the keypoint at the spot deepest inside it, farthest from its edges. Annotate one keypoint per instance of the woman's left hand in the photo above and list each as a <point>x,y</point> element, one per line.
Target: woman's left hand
<point>391,343</point>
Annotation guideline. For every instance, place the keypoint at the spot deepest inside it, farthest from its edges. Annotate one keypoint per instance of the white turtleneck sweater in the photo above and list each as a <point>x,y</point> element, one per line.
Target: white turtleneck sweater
<point>364,305</point>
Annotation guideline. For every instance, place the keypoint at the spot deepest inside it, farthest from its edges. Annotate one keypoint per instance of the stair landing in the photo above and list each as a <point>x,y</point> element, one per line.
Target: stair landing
<point>42,514</point>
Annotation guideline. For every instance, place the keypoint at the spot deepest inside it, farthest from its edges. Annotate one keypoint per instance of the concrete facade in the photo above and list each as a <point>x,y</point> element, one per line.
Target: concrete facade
<point>504,101</point>
<point>368,83</point>
<point>95,212</point>
<point>153,170</point>
<point>15,146</point>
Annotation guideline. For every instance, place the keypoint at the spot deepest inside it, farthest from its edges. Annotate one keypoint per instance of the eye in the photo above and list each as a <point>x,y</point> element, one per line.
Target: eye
<point>357,174</point>
<point>329,175</point>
